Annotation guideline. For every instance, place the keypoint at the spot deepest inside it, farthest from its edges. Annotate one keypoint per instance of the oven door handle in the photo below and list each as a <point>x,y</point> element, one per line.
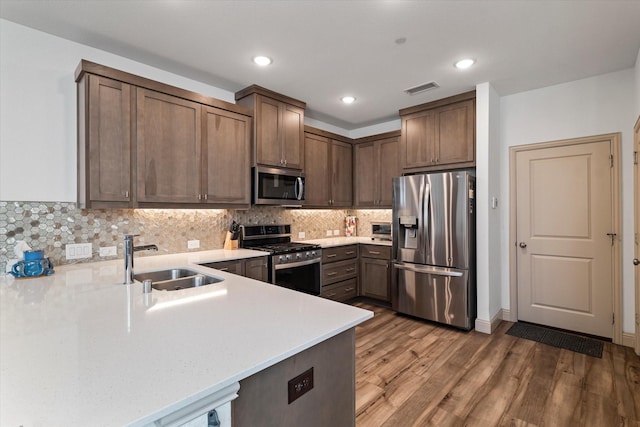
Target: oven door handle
<point>297,264</point>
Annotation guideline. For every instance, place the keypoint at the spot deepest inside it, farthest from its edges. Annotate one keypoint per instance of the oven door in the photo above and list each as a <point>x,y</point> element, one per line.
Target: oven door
<point>303,276</point>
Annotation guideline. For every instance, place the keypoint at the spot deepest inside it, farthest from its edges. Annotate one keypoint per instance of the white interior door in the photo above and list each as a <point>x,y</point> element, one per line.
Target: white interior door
<point>564,254</point>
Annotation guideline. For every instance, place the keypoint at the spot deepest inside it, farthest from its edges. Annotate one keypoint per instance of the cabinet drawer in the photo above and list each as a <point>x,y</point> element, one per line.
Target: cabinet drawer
<point>342,291</point>
<point>338,253</point>
<point>338,271</point>
<point>375,251</point>
<point>234,266</point>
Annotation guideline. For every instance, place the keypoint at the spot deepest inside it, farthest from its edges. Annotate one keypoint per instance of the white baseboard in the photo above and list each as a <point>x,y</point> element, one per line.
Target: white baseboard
<point>487,327</point>
<point>628,339</point>
<point>508,315</point>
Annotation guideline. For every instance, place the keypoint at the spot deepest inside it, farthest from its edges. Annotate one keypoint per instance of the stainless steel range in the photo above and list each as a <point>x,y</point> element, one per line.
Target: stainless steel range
<point>291,265</point>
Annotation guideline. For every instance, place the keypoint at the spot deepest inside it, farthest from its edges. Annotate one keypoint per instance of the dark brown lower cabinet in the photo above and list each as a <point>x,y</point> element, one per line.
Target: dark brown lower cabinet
<point>263,399</point>
<point>255,268</point>
<point>375,272</point>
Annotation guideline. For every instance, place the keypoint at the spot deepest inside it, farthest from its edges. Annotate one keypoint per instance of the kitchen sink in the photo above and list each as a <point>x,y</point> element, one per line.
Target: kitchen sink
<point>176,278</point>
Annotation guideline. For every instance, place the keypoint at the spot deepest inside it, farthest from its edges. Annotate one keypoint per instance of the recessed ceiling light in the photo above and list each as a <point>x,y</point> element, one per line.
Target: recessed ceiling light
<point>262,60</point>
<point>348,99</point>
<point>465,63</point>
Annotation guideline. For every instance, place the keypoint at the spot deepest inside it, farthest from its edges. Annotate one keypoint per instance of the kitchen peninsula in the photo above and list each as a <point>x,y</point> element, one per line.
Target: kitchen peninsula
<point>79,348</point>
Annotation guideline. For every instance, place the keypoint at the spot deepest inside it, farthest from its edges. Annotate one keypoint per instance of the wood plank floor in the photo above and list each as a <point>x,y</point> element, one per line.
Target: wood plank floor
<point>414,373</point>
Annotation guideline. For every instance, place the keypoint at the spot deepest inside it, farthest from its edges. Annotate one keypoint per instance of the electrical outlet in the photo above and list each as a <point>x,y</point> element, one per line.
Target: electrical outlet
<point>78,250</point>
<point>300,385</point>
<point>329,233</point>
<point>109,251</point>
<point>193,244</point>
<point>336,232</point>
<point>301,235</point>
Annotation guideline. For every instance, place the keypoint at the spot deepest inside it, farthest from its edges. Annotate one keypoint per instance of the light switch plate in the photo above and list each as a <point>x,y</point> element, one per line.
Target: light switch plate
<point>336,232</point>
<point>193,244</point>
<point>329,233</point>
<point>301,235</point>
<point>78,250</point>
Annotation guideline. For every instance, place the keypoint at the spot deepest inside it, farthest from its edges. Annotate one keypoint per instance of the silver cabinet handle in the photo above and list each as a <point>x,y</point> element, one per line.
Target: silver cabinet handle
<point>332,255</point>
<point>523,245</point>
<point>374,252</point>
<point>348,289</point>
<point>332,273</point>
<point>350,269</point>
<point>350,252</point>
<point>428,270</point>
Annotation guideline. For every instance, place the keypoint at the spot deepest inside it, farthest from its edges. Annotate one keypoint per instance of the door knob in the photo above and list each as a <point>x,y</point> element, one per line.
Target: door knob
<point>636,261</point>
<point>523,245</point>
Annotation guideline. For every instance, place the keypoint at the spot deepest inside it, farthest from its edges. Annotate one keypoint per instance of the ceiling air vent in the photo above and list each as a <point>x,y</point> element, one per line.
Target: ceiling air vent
<point>422,88</point>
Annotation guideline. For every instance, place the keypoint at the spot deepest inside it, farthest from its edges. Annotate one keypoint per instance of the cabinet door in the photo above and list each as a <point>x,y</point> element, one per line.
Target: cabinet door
<point>109,140</point>
<point>267,144</point>
<point>233,266</point>
<point>374,278</point>
<point>341,174</point>
<point>226,157</point>
<point>455,133</point>
<point>168,146</point>
<point>389,168</point>
<point>292,136</point>
<point>366,174</point>
<point>418,139</point>
<point>256,268</point>
<point>316,153</point>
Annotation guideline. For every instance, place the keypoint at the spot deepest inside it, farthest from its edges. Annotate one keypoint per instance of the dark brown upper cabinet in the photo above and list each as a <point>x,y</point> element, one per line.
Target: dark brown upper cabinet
<point>278,131</point>
<point>104,142</point>
<point>142,143</point>
<point>439,135</point>
<point>328,169</point>
<point>377,162</point>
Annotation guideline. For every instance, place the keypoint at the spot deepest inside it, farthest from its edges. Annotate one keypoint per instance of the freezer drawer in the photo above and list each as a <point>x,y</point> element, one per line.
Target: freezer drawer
<point>434,293</point>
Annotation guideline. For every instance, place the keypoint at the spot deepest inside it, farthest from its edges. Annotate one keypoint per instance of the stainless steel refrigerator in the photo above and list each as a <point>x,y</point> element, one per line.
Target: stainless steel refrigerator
<point>434,247</point>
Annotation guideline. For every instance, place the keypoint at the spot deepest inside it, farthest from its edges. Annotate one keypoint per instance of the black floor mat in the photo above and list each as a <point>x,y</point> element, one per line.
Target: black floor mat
<point>568,341</point>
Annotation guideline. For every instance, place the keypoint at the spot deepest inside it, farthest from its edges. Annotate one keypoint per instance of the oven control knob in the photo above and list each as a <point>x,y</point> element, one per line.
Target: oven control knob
<point>288,257</point>
<point>281,258</point>
<point>308,254</point>
<point>298,256</point>
<point>313,253</point>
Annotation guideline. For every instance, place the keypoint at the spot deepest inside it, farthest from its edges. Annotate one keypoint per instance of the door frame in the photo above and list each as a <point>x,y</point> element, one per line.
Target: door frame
<point>636,225</point>
<point>616,213</point>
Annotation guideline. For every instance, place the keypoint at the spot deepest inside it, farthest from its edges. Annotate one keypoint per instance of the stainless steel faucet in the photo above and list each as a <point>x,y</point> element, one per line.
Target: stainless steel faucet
<point>129,249</point>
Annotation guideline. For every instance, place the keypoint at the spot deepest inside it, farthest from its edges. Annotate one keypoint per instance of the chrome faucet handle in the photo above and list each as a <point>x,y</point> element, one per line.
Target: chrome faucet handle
<point>130,236</point>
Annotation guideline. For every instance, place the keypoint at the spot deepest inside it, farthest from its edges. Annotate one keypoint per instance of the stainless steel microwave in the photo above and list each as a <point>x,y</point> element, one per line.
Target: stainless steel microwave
<point>381,230</point>
<point>278,186</point>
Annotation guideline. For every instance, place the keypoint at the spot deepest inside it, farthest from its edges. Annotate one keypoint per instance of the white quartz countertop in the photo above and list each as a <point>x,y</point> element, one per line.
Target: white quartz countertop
<point>342,241</point>
<point>78,348</point>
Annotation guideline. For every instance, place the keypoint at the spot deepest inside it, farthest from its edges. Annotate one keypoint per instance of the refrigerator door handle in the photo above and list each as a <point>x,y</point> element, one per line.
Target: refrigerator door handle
<point>427,270</point>
<point>426,211</point>
<point>421,225</point>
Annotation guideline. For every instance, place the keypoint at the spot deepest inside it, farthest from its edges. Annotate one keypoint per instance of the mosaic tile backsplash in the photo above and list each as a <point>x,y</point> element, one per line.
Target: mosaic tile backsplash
<point>50,226</point>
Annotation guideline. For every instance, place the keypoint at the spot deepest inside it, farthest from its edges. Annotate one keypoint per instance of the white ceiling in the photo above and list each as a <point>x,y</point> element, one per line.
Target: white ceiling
<point>323,50</point>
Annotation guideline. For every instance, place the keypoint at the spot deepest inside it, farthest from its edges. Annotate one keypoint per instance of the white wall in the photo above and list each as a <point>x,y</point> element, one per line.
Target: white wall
<point>592,106</point>
<point>487,219</point>
<point>38,110</point>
